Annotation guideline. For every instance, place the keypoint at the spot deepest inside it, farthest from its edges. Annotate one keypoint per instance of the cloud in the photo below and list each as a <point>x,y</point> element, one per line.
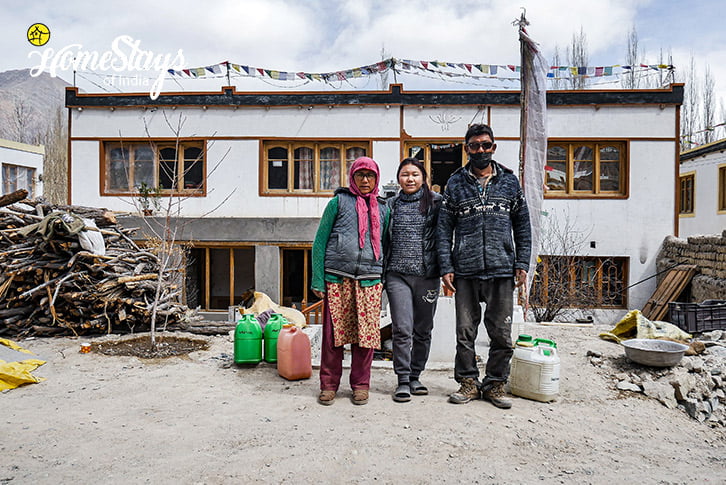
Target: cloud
<point>327,35</point>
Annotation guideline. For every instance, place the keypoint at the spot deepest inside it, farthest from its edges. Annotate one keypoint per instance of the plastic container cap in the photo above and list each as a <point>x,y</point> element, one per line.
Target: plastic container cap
<point>524,341</point>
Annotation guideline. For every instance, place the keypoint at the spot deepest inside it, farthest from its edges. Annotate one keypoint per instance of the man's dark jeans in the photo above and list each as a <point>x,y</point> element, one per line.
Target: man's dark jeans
<point>497,293</point>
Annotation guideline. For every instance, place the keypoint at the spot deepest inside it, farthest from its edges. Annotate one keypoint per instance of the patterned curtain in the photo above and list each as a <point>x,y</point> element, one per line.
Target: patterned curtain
<point>329,168</point>
<point>304,168</point>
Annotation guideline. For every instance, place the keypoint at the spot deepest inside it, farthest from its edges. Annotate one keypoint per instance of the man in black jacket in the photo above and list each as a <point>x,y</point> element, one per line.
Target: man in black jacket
<point>484,244</point>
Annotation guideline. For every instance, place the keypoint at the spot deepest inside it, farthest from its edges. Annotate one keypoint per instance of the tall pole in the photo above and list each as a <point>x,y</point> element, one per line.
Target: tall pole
<point>522,23</point>
<point>533,135</point>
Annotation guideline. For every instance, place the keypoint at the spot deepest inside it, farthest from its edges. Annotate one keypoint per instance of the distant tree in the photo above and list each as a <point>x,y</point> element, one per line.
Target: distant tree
<point>577,57</point>
<point>557,82</point>
<point>708,106</point>
<point>55,163</point>
<point>690,111</point>
<point>21,122</point>
<point>665,77</point>
<point>630,78</point>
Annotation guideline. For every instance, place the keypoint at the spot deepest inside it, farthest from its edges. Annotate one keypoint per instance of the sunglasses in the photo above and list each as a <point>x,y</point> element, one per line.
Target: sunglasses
<point>474,146</point>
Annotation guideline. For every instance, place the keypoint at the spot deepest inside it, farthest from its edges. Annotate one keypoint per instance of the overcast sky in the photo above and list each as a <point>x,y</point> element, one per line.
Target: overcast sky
<point>329,35</point>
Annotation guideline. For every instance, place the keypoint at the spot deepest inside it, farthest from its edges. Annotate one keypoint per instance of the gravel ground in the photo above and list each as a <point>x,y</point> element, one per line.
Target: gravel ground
<point>202,419</point>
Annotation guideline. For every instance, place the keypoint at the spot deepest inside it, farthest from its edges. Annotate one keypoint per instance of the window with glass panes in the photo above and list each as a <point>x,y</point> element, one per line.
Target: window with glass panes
<point>586,169</point>
<point>581,281</point>
<point>722,188</point>
<point>308,166</point>
<point>171,166</point>
<point>687,185</point>
<point>16,177</point>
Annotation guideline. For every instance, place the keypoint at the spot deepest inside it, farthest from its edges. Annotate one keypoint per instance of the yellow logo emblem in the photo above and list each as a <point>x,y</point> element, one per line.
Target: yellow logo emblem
<point>38,34</point>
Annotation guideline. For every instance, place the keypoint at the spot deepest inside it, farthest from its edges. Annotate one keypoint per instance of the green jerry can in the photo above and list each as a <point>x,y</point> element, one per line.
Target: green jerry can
<point>247,341</point>
<point>272,330</point>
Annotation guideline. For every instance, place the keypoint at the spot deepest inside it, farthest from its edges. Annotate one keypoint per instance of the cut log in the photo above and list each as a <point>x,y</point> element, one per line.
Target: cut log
<point>13,197</point>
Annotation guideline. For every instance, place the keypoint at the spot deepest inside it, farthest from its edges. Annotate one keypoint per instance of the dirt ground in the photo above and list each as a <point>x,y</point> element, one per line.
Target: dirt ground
<point>202,419</point>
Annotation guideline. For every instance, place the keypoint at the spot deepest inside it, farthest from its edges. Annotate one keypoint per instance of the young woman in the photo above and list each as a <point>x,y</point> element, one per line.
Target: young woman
<point>412,276</point>
<point>347,271</point>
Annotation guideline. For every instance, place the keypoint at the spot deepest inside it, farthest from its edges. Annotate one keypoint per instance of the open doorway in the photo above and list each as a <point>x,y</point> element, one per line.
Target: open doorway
<point>441,159</point>
<point>216,277</point>
<point>445,159</point>
<point>297,273</point>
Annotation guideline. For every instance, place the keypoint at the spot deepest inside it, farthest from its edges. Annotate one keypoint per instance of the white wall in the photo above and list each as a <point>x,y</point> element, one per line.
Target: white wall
<point>632,227</point>
<point>237,163</point>
<point>288,122</point>
<point>611,121</point>
<point>706,218</point>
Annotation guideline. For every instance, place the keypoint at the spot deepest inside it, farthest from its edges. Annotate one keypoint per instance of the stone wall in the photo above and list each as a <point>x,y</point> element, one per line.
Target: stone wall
<point>708,253</point>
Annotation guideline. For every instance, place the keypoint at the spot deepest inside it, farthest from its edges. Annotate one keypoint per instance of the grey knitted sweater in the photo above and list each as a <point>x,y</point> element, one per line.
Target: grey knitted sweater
<point>407,229</point>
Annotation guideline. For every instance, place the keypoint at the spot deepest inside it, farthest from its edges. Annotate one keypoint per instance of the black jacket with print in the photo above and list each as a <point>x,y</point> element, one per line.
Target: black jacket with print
<point>491,232</point>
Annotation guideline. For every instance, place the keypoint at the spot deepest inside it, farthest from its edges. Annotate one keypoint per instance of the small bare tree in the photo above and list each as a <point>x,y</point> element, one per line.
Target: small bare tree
<point>163,231</point>
<point>561,288</point>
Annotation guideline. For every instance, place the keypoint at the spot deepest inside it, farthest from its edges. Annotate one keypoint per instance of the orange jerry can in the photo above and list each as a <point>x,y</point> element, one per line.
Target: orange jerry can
<point>293,354</point>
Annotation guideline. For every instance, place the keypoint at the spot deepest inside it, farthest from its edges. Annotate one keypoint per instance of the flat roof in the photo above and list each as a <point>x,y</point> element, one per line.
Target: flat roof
<point>714,146</point>
<point>16,145</point>
<point>395,95</point>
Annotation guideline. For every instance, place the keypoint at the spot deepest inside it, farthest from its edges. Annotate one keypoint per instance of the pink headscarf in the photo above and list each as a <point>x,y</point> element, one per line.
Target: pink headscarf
<point>371,207</point>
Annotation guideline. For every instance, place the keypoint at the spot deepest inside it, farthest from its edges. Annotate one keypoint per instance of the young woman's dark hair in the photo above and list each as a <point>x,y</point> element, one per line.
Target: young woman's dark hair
<point>427,198</point>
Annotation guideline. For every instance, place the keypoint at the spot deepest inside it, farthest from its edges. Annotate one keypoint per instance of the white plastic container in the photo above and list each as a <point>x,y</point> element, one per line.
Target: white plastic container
<point>535,372</point>
<point>517,322</point>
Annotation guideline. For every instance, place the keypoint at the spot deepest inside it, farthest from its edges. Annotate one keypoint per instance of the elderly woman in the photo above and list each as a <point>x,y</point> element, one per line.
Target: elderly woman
<point>347,270</point>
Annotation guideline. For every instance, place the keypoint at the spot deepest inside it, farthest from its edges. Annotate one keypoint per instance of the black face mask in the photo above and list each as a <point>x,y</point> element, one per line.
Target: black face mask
<point>480,160</point>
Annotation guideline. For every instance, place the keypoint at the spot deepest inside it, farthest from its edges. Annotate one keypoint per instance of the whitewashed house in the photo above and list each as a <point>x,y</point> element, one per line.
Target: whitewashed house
<point>702,195</point>
<point>21,167</point>
<point>271,161</point>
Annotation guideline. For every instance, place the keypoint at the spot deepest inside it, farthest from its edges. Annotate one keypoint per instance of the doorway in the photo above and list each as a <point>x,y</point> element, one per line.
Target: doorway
<point>297,275</point>
<point>216,277</point>
<point>441,159</point>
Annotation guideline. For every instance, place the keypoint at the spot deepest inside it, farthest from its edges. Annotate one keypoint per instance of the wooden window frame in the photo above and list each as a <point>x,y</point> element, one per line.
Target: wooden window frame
<point>317,146</point>
<point>7,187</point>
<point>156,146</point>
<point>597,275</point>
<point>721,191</point>
<point>687,195</point>
<point>595,193</point>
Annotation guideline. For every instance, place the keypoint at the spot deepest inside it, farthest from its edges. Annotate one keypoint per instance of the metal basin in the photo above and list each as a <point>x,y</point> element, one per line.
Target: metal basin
<point>656,353</point>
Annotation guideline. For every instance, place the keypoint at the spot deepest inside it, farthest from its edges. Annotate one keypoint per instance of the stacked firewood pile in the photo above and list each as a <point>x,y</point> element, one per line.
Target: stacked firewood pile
<point>55,287</point>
